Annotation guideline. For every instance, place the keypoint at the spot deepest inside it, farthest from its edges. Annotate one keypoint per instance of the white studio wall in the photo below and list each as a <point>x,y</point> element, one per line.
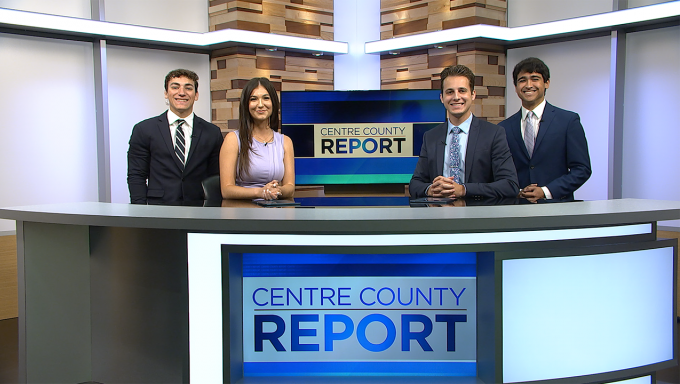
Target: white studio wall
<point>136,89</point>
<point>579,82</point>
<point>528,12</point>
<point>651,139</point>
<point>48,152</point>
<point>70,8</point>
<point>182,15</point>
<point>642,3</point>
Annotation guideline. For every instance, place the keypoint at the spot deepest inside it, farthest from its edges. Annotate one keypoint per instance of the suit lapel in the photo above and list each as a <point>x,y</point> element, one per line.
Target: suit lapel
<point>195,137</point>
<point>516,131</point>
<point>471,145</point>
<point>164,129</point>
<point>440,145</point>
<point>544,125</point>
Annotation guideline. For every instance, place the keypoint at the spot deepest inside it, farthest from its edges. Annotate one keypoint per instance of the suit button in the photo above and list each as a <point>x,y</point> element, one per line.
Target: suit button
<point>531,167</point>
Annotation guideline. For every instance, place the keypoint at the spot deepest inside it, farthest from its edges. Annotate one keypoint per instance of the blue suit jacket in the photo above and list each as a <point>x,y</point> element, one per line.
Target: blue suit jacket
<point>154,172</point>
<point>560,161</point>
<point>489,170</point>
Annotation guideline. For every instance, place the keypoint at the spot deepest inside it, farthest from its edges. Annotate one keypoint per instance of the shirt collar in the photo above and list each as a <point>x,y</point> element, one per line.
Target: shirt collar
<point>465,126</point>
<point>538,111</point>
<point>189,120</point>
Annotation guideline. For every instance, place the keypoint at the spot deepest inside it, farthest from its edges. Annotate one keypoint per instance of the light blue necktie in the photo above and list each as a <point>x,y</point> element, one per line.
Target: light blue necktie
<point>454,155</point>
<point>529,133</point>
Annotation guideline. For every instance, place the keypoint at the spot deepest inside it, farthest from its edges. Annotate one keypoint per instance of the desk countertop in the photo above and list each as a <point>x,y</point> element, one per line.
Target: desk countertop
<point>352,220</point>
<point>356,220</point>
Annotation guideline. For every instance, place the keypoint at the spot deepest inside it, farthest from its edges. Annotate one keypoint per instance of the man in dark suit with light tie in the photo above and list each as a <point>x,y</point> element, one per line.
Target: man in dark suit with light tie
<point>466,156</point>
<point>172,153</point>
<point>548,144</point>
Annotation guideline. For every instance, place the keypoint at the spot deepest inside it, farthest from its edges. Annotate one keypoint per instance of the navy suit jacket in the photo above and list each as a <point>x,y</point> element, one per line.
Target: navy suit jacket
<point>560,161</point>
<point>154,172</point>
<point>489,170</point>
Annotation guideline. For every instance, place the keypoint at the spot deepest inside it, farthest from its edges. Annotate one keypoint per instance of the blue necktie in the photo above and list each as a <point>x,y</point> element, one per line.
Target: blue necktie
<point>454,155</point>
<point>180,142</point>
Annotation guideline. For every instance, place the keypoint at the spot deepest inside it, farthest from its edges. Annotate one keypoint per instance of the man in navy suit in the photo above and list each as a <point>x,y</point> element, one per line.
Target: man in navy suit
<point>548,144</point>
<point>466,156</point>
<point>172,153</point>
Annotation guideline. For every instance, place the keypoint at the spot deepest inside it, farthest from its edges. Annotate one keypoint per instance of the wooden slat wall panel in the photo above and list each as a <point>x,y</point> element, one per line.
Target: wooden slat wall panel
<point>9,294</point>
<point>231,68</point>
<point>421,69</point>
<point>314,18</point>
<point>281,16</point>
<point>406,17</point>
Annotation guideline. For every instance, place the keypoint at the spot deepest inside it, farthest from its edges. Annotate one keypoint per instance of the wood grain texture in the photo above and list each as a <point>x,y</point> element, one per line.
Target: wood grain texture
<point>232,68</point>
<point>421,69</point>
<point>313,18</point>
<point>9,294</point>
<point>404,17</point>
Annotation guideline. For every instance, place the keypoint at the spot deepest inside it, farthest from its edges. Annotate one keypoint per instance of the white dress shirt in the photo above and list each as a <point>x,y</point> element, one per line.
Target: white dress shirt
<point>187,128</point>
<point>538,115</point>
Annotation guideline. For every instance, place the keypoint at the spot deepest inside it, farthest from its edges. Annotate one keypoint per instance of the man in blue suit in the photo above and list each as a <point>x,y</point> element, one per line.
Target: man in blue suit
<point>465,156</point>
<point>548,144</point>
<point>172,153</point>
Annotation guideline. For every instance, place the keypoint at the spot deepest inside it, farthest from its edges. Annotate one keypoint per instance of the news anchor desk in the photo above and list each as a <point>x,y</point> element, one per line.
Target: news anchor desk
<point>558,293</point>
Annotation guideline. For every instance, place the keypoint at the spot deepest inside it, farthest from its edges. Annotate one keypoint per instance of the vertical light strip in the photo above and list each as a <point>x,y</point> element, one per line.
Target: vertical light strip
<point>617,75</point>
<point>205,308</point>
<point>356,22</point>
<point>101,100</point>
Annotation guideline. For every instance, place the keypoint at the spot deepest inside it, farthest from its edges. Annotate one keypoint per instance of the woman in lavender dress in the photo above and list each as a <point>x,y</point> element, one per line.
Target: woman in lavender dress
<point>257,162</point>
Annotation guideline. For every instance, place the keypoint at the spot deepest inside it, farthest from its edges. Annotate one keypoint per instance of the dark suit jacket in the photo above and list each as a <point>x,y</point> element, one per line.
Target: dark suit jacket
<point>489,170</point>
<point>560,161</point>
<point>154,173</point>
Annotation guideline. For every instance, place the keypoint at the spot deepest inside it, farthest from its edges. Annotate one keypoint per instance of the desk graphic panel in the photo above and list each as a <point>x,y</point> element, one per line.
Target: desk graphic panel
<point>226,272</point>
<point>359,314</point>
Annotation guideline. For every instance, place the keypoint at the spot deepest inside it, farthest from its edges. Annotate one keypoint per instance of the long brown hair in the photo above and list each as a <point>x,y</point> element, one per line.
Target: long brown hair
<point>245,121</point>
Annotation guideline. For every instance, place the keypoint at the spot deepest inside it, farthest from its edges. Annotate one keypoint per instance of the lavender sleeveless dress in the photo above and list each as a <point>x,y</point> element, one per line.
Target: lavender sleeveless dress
<point>266,163</point>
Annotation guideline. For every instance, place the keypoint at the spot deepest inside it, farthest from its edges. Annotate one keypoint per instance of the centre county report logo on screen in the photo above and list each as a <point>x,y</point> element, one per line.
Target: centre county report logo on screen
<point>296,319</point>
<point>363,140</point>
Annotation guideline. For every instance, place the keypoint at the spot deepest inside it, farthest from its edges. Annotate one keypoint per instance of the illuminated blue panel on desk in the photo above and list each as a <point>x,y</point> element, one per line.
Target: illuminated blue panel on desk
<point>359,314</point>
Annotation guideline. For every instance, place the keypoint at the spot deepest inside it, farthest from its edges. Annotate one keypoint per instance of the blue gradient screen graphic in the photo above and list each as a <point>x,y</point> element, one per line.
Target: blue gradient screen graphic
<point>302,110</point>
<point>359,314</point>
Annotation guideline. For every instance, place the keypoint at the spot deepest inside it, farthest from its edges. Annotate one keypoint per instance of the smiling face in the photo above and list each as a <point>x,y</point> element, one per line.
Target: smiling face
<point>260,105</point>
<point>531,88</point>
<point>457,98</point>
<point>181,94</point>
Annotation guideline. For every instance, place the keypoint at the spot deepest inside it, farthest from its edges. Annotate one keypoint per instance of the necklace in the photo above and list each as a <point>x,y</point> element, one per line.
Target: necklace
<point>265,141</point>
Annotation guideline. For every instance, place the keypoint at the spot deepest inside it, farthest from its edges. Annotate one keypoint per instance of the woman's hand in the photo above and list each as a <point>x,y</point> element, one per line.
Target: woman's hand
<point>271,190</point>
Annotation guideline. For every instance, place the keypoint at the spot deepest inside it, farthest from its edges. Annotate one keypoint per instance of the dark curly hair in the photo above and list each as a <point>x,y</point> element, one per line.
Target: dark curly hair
<point>531,65</point>
<point>179,73</point>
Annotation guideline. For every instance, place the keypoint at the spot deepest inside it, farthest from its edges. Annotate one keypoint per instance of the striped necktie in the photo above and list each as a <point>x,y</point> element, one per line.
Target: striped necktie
<point>180,142</point>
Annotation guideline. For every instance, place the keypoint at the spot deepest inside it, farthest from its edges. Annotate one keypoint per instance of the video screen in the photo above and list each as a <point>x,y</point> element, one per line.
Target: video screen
<point>358,137</point>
